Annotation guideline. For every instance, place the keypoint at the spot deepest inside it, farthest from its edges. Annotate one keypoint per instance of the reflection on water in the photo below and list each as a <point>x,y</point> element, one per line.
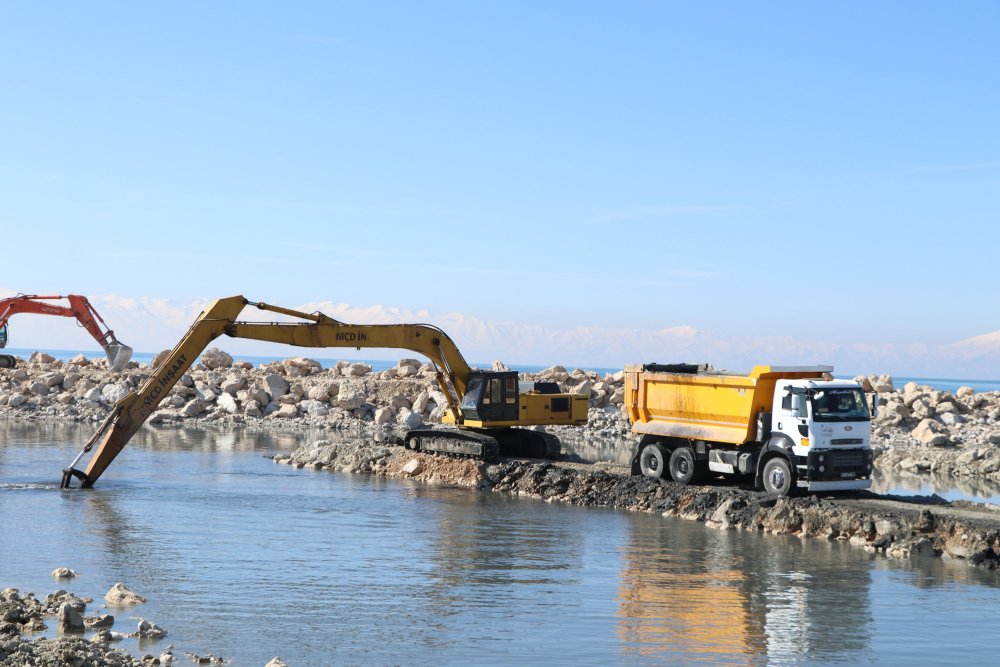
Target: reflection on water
<point>249,560</point>
<point>975,489</point>
<point>700,596</point>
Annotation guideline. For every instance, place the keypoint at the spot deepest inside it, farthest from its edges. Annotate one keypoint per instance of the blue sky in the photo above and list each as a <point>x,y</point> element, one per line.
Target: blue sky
<point>823,171</point>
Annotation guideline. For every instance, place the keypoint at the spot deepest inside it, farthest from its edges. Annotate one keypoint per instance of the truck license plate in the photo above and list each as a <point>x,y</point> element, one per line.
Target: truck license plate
<point>849,475</point>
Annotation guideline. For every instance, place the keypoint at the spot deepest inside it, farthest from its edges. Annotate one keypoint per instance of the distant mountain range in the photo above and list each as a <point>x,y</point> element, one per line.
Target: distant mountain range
<point>150,325</point>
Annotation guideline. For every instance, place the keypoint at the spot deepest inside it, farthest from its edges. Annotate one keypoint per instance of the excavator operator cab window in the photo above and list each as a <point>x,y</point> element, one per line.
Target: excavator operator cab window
<point>3,336</point>
<point>492,396</point>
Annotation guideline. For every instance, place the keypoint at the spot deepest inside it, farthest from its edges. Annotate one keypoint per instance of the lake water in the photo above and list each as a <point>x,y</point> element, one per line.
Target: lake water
<point>249,560</point>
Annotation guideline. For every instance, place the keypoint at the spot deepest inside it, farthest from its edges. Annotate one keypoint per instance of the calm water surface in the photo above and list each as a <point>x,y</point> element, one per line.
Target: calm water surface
<point>249,560</point>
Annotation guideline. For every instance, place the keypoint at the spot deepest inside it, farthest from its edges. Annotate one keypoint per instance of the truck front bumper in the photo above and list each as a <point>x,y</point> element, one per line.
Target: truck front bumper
<point>836,469</point>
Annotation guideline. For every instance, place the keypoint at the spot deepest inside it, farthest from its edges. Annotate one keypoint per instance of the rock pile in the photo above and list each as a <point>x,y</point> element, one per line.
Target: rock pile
<point>348,395</point>
<point>919,429</point>
<point>23,615</point>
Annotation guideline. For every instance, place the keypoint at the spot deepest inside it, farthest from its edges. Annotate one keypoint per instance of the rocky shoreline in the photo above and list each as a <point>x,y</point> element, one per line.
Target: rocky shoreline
<point>895,526</point>
<point>917,430</point>
<point>22,616</point>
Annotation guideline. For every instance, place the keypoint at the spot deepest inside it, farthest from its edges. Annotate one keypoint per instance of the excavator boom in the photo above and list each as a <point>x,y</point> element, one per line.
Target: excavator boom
<point>79,307</point>
<point>487,430</point>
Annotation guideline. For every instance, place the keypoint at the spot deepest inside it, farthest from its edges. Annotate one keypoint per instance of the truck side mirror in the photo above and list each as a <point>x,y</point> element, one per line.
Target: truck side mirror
<point>874,406</point>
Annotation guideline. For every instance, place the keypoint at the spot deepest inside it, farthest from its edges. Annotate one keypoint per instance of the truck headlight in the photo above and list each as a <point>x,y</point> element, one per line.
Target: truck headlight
<point>822,468</point>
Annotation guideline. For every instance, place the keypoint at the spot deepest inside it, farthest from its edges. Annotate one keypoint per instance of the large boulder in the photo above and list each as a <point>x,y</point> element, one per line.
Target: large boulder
<point>932,433</point>
<point>159,358</point>
<point>277,386</point>
<point>119,596</point>
<point>113,393</point>
<point>70,618</point>
<point>227,403</point>
<point>314,407</point>
<point>300,367</point>
<point>213,358</point>
<point>350,398</point>
<point>384,415</point>
<point>407,368</point>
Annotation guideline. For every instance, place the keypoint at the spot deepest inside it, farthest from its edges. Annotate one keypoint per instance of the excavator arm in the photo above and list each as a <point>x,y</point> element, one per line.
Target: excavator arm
<point>79,308</point>
<point>131,412</point>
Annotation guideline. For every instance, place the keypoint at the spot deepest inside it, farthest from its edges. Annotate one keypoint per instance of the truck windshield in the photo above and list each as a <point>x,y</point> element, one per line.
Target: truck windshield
<point>829,405</point>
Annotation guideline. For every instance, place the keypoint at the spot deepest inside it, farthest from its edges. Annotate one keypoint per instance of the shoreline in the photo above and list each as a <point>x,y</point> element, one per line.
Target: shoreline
<point>895,526</point>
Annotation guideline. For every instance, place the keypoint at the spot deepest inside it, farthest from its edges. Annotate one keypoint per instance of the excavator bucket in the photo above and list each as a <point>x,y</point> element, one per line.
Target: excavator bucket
<point>118,355</point>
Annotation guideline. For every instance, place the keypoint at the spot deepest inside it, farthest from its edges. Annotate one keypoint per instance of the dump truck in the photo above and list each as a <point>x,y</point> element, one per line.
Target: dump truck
<point>786,427</point>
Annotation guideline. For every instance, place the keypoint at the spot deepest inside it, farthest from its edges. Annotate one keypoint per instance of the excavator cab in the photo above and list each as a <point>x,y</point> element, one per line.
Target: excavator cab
<point>3,336</point>
<point>491,396</point>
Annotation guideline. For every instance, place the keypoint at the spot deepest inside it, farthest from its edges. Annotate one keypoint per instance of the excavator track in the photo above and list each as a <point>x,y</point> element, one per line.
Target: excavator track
<point>484,445</point>
<point>471,444</point>
<point>524,443</point>
<point>7,361</point>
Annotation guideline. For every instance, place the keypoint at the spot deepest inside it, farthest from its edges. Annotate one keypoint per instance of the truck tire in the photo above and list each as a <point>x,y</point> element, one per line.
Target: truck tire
<point>683,467</point>
<point>777,476</point>
<point>652,461</point>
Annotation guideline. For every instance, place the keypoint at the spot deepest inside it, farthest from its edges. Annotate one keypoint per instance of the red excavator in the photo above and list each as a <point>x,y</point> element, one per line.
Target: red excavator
<point>80,308</point>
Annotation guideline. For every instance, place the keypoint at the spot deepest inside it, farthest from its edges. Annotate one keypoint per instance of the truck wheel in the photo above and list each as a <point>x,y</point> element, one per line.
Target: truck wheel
<point>652,460</point>
<point>777,476</point>
<point>683,468</point>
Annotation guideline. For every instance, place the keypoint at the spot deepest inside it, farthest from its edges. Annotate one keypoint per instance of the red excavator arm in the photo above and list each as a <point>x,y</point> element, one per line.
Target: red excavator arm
<point>80,308</point>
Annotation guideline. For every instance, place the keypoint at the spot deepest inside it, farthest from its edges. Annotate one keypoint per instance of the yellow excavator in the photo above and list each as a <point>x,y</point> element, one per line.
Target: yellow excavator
<point>484,407</point>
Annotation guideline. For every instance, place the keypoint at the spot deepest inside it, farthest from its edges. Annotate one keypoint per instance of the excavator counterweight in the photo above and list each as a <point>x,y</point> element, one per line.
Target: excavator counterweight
<point>79,307</point>
<point>485,408</point>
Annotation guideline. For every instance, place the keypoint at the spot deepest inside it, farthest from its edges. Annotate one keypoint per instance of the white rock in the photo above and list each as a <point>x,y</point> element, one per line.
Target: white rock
<point>80,360</point>
<point>159,358</point>
<point>964,391</point>
<point>357,370</point>
<point>277,386</point>
<point>314,407</point>
<point>413,467</point>
<point>150,630</point>
<point>17,399</point>
<point>193,408</point>
<point>930,432</point>
<point>119,596</point>
<point>213,358</point>
<point>350,398</point>
<point>227,403</point>
<point>232,384</point>
<point>113,393</point>
<point>410,419</point>
<point>384,415</point>
<point>420,403</point>
<point>286,411</point>
<point>951,419</point>
<point>63,573</point>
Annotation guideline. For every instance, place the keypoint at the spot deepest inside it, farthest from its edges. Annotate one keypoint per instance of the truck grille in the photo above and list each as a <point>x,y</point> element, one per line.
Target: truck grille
<point>852,460</point>
<point>846,441</point>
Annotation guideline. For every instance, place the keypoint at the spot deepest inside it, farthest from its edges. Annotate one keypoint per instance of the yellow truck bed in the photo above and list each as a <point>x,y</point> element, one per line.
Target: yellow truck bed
<point>716,407</point>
